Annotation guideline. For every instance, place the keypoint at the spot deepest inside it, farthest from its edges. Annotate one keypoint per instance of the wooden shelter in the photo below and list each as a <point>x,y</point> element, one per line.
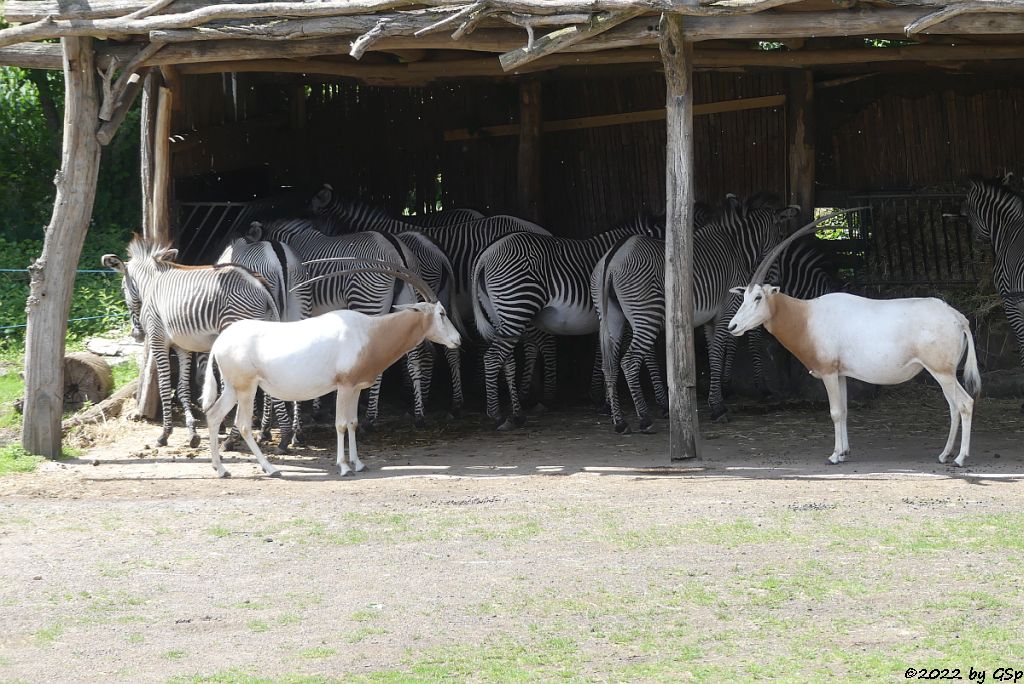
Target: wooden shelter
<point>172,51</point>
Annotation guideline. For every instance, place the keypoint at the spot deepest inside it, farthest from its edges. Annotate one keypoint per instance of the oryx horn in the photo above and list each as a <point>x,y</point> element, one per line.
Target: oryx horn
<point>374,266</point>
<point>762,269</point>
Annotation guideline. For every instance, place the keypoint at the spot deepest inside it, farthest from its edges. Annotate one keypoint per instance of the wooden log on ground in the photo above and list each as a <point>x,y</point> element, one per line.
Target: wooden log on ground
<point>53,273</point>
<point>677,53</point>
<point>111,407</point>
<point>88,378</point>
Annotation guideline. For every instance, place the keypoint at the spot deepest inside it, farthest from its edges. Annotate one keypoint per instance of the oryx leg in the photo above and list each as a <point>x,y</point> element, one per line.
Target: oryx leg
<point>961,411</point>
<point>346,420</point>
<point>185,395</point>
<point>214,418</point>
<point>243,421</point>
<point>846,403</point>
<point>837,409</point>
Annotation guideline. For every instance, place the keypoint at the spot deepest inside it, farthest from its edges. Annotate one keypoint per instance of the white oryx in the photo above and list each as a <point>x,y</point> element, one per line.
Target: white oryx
<point>884,342</point>
<point>341,351</point>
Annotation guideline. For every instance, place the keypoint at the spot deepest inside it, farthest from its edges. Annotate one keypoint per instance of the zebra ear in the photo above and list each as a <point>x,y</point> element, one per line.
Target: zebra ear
<point>255,232</point>
<point>322,199</point>
<point>1008,179</point>
<point>112,262</point>
<point>790,212</point>
<point>166,256</point>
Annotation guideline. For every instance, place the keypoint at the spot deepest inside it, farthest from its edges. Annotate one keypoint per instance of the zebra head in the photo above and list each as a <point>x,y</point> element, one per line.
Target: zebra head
<point>137,273</point>
<point>992,205</point>
<point>755,229</point>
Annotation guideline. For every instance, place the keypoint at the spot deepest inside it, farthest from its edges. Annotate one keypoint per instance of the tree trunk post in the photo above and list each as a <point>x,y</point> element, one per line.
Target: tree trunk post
<point>800,135</point>
<point>529,162</point>
<point>53,273</point>
<point>677,55</point>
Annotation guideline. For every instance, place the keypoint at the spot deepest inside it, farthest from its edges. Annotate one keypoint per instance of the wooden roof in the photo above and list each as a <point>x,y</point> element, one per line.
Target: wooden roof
<point>400,42</point>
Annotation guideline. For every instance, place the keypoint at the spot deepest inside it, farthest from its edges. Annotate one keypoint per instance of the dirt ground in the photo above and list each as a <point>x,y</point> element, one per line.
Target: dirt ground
<point>561,551</point>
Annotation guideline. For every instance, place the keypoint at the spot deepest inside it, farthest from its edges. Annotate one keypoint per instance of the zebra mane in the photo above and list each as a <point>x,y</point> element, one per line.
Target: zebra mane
<point>142,248</point>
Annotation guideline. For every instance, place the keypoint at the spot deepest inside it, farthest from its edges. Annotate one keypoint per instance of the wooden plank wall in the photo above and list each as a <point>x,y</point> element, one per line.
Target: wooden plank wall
<point>386,144</point>
<point>918,133</point>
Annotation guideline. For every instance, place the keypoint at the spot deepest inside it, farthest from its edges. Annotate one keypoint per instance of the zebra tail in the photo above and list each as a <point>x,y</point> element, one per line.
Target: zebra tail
<point>604,288</point>
<point>972,378</point>
<point>210,385</point>
<point>479,292</point>
<point>455,314</point>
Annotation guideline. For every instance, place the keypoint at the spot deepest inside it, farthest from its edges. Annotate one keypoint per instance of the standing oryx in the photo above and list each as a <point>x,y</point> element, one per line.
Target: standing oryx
<point>630,288</point>
<point>185,308</point>
<point>526,279</point>
<point>372,293</point>
<point>885,342</point>
<point>996,212</point>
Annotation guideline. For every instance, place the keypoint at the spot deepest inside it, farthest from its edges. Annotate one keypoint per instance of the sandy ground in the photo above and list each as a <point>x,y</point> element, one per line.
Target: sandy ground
<point>559,551</point>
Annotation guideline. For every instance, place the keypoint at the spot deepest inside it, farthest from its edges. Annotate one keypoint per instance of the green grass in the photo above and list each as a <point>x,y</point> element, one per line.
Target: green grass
<point>124,373</point>
<point>173,655</point>
<point>14,459</point>
<point>47,635</point>
<point>318,653</point>
<point>235,676</point>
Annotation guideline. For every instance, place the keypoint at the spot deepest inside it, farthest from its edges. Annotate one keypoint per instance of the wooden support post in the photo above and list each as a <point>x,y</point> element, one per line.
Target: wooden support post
<point>677,55</point>
<point>53,273</point>
<point>800,136</point>
<point>155,162</point>
<point>529,166</point>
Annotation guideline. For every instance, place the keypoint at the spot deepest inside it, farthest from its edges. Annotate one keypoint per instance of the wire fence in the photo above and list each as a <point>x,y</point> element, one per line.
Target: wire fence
<point>112,316</point>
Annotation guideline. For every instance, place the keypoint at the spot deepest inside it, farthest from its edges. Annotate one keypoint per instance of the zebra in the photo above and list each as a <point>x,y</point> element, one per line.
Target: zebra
<point>996,212</point>
<point>283,272</point>
<point>527,279</point>
<point>447,217</point>
<point>630,288</point>
<point>184,308</point>
<point>369,293</point>
<point>461,242</point>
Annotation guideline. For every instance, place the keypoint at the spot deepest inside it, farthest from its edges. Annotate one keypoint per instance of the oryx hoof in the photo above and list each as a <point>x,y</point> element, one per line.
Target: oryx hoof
<point>276,473</point>
<point>193,441</point>
<point>225,474</point>
<point>623,428</point>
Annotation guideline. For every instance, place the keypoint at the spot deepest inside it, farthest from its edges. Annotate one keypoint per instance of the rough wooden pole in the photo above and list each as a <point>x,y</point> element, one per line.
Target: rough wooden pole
<point>529,162</point>
<point>157,104</point>
<point>677,55</point>
<point>53,273</point>
<point>800,135</point>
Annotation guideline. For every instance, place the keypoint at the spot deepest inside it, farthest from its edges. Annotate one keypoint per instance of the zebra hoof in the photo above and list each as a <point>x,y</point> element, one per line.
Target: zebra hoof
<point>540,408</point>
<point>230,445</point>
<point>507,426</point>
<point>623,428</point>
<point>193,441</point>
<point>1022,408</point>
<point>420,422</point>
<point>281,449</point>
<point>720,415</point>
<point>455,412</point>
<point>519,420</point>
<point>645,424</point>
<point>649,430</point>
<point>605,409</point>
<point>664,411</point>
<point>161,440</point>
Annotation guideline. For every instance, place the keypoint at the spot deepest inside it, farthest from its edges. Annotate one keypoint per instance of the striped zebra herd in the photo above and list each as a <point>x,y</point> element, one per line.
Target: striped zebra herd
<point>507,283</point>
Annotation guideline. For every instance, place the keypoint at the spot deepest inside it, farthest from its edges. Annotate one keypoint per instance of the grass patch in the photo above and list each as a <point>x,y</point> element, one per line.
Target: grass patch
<point>317,653</point>
<point>124,373</point>
<point>219,531</point>
<point>235,676</point>
<point>47,635</point>
<point>173,655</point>
<point>257,626</point>
<point>14,459</point>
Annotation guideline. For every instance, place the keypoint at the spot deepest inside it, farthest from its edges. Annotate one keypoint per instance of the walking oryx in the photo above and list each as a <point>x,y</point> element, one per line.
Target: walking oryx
<point>185,308</point>
<point>885,342</point>
<point>996,213</point>
<point>630,282</point>
<point>527,279</point>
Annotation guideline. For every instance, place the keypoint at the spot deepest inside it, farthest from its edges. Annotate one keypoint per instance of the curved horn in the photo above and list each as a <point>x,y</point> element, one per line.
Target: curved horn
<point>386,267</point>
<point>762,269</point>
